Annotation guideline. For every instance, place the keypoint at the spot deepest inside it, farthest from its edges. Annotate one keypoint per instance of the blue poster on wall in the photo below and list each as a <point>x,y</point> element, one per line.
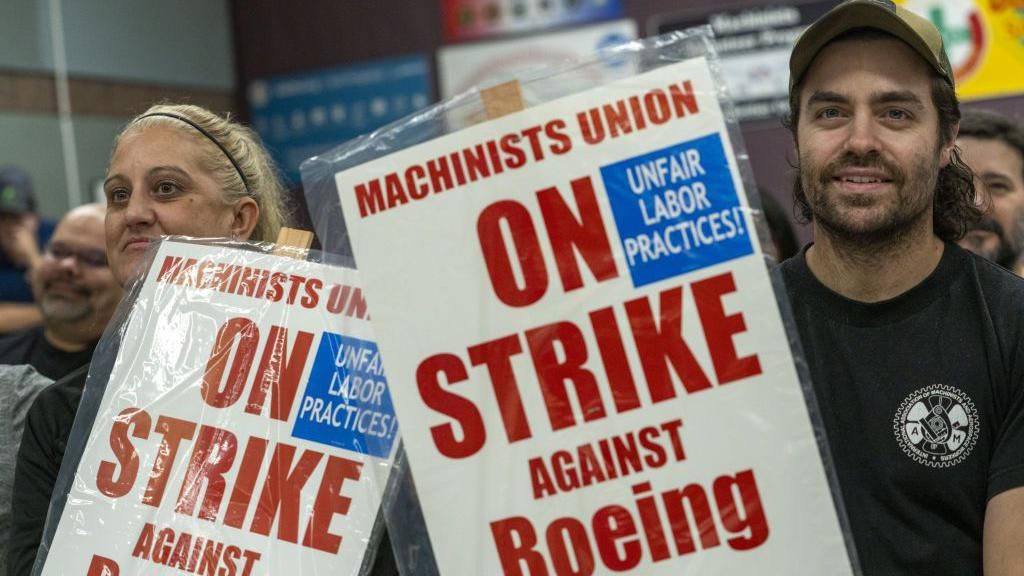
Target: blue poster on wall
<point>302,115</point>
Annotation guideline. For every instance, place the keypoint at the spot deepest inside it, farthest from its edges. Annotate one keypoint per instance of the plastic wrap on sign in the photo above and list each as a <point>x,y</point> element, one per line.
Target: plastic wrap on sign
<point>237,419</point>
<point>607,380</point>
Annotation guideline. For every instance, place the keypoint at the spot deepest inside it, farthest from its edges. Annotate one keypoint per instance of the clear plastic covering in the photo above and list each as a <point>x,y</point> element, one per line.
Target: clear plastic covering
<point>593,369</point>
<point>236,420</point>
<point>537,87</point>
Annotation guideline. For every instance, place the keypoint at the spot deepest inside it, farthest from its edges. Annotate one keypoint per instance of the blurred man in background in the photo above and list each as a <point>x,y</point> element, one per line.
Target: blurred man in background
<point>77,295</point>
<point>22,233</point>
<point>993,146</point>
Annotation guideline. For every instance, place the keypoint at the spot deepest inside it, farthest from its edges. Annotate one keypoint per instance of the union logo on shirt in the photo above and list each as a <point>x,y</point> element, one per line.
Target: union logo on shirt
<point>937,426</point>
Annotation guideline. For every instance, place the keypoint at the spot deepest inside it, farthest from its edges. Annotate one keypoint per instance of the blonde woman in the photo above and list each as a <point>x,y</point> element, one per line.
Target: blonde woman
<point>175,170</point>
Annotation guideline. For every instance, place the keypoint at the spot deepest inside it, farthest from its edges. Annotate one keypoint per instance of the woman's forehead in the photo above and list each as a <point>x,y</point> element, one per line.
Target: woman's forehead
<point>156,145</point>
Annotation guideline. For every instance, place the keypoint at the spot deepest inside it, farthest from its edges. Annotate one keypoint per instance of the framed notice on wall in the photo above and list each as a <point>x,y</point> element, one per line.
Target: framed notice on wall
<point>753,44</point>
<point>479,19</point>
<point>300,115</point>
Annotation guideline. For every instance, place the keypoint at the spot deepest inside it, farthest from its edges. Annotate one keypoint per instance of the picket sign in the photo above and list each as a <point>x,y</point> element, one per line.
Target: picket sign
<point>245,426</point>
<point>599,376</point>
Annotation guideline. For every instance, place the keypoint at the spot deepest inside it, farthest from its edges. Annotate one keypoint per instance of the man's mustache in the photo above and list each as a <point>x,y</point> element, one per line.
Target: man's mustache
<point>988,224</point>
<point>1006,252</point>
<point>872,159</point>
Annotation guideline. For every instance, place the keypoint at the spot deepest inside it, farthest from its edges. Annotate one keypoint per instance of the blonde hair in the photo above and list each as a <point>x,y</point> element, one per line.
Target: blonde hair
<point>208,129</point>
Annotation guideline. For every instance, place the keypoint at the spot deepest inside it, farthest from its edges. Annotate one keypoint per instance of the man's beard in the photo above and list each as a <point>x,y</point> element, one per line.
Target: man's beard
<point>1007,249</point>
<point>64,310</point>
<point>914,196</point>
<point>1015,239</point>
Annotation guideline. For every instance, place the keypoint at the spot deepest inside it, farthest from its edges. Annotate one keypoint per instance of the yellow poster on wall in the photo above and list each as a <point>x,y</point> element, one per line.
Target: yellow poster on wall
<point>984,40</point>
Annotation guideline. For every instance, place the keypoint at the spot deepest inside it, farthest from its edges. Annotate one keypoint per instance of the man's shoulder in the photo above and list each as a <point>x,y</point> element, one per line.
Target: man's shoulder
<point>21,380</point>
<point>62,397</point>
<point>1002,289</point>
<point>793,265</point>
<point>12,375</point>
<point>19,387</point>
<point>999,297</point>
<point>18,340</point>
<point>796,276</point>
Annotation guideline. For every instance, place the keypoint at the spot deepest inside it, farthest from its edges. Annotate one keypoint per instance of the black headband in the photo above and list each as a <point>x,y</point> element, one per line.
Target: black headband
<point>208,137</point>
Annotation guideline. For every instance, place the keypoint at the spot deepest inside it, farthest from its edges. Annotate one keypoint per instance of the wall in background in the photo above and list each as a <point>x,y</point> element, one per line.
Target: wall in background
<point>32,141</point>
<point>25,36</point>
<point>179,43</point>
<point>122,56</point>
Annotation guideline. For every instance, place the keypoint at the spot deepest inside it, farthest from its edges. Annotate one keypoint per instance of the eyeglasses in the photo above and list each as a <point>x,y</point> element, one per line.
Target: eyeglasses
<point>86,256</point>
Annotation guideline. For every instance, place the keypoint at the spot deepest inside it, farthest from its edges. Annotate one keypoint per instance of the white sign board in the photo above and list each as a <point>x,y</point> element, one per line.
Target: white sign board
<point>246,428</point>
<point>600,379</point>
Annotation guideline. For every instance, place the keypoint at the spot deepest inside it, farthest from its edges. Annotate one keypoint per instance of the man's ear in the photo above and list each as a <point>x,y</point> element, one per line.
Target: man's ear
<point>946,153</point>
<point>247,213</point>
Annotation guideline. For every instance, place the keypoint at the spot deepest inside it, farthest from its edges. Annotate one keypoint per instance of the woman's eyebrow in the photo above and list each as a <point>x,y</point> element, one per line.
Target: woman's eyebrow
<point>173,169</point>
<point>112,178</point>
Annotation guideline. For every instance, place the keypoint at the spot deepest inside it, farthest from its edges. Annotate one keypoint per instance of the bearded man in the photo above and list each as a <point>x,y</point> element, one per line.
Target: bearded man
<point>77,295</point>
<point>993,146</point>
<point>915,346</point>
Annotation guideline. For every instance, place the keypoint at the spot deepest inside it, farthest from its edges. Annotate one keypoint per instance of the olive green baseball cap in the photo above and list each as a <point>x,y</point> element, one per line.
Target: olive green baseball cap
<point>884,15</point>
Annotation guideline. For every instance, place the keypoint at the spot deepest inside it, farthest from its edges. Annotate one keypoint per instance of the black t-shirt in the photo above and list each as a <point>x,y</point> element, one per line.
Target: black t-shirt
<point>43,442</point>
<point>29,346</point>
<point>922,397</point>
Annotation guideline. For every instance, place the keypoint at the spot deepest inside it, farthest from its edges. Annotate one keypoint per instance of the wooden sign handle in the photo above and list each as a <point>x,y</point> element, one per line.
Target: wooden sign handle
<point>502,99</point>
<point>293,243</point>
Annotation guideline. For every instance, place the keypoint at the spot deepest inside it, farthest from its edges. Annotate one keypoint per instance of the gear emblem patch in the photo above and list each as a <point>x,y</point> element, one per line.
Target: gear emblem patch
<point>937,426</point>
